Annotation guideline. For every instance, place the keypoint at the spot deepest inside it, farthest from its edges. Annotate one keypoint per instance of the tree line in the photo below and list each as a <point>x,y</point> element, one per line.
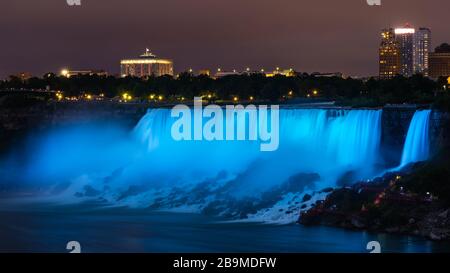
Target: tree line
<point>346,91</point>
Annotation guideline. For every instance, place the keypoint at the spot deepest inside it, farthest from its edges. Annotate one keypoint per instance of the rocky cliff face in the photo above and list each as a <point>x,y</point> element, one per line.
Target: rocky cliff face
<point>44,115</point>
<point>440,130</point>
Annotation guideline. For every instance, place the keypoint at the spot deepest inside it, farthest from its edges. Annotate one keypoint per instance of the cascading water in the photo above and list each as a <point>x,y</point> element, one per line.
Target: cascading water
<point>417,144</point>
<point>328,142</point>
<point>150,169</point>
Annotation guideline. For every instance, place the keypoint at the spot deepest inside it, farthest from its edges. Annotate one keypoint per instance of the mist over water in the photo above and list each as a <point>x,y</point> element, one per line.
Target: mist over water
<point>142,167</point>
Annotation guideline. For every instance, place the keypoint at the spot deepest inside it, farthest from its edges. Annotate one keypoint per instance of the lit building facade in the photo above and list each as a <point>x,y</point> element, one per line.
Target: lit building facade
<point>204,72</point>
<point>389,55</point>
<point>269,74</point>
<point>71,73</point>
<point>440,62</point>
<point>422,49</point>
<point>145,66</point>
<point>439,65</point>
<point>405,38</point>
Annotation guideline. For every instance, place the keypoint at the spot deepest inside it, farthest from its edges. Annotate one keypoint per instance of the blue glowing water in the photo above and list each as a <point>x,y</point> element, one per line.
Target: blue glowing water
<point>147,168</point>
<point>417,144</point>
<point>327,142</point>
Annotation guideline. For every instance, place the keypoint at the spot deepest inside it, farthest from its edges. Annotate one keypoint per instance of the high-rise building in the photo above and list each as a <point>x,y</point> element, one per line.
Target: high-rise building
<point>405,38</point>
<point>145,66</point>
<point>389,54</point>
<point>413,48</point>
<point>422,49</point>
<point>440,62</point>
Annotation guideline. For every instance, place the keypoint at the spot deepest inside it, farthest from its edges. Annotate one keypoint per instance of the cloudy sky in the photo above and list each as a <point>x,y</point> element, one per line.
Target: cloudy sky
<point>314,35</point>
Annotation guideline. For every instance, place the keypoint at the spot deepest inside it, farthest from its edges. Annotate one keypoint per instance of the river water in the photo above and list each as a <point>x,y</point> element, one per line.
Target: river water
<point>49,229</point>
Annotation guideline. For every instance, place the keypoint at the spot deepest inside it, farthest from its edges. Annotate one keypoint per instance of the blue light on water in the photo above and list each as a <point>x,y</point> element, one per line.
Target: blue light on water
<point>417,144</point>
<point>111,161</point>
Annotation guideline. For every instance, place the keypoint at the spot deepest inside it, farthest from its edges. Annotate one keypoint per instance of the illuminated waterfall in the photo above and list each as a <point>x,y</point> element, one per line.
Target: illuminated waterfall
<point>327,142</point>
<point>140,168</point>
<point>417,144</point>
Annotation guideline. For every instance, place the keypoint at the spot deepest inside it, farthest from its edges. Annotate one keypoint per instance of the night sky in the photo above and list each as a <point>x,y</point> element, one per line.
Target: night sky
<point>315,35</point>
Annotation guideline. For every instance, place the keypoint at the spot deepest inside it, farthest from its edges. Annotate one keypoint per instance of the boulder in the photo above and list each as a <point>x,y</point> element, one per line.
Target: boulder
<point>306,198</point>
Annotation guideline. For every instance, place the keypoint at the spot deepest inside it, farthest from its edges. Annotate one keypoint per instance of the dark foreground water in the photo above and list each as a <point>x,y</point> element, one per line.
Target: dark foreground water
<point>46,229</point>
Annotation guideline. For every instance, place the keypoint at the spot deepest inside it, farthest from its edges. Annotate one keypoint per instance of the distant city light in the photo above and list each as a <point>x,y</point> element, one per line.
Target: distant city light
<point>405,31</point>
<point>59,95</point>
<point>127,97</point>
<point>65,73</point>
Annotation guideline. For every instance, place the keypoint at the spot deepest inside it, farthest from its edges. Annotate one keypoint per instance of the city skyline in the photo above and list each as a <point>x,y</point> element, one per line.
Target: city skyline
<point>299,35</point>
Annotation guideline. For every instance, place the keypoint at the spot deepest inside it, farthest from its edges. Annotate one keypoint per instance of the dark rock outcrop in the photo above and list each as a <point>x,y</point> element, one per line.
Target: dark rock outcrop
<point>395,203</point>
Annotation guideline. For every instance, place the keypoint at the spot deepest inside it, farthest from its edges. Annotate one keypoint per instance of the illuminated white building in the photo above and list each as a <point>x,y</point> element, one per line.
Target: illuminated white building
<point>145,66</point>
